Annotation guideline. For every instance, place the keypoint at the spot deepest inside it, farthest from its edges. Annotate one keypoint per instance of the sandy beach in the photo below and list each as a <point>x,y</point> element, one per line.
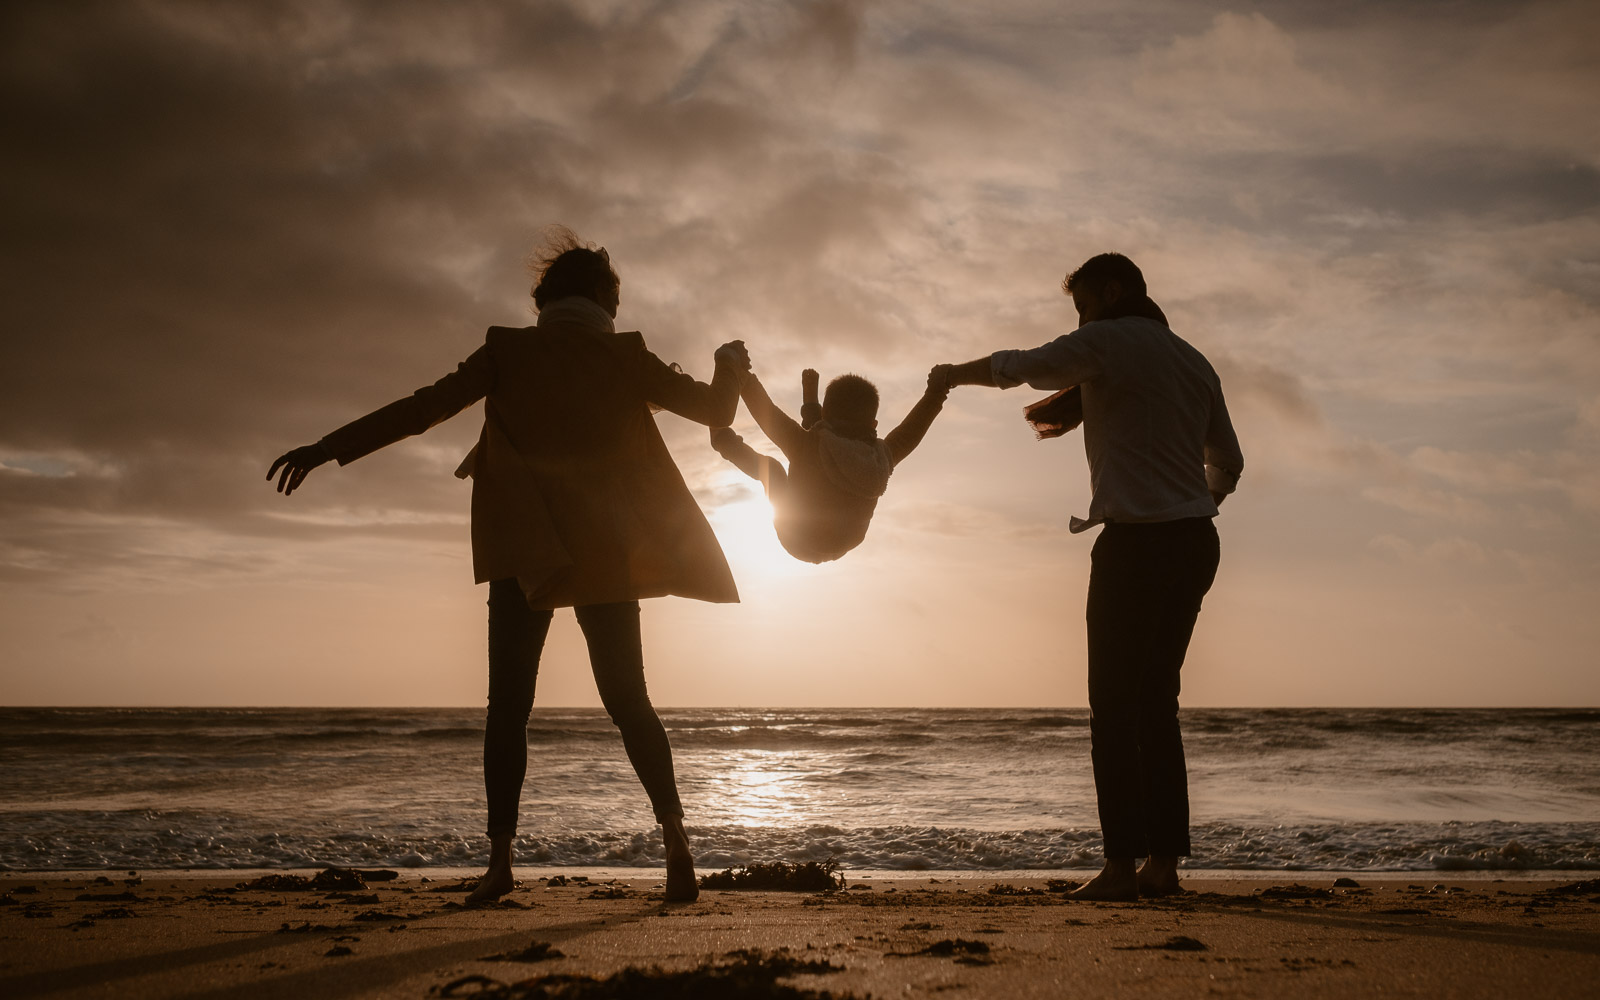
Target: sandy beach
<point>566,935</point>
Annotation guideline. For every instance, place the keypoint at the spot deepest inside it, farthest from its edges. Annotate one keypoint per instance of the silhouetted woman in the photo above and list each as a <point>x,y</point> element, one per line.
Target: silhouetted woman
<point>575,503</point>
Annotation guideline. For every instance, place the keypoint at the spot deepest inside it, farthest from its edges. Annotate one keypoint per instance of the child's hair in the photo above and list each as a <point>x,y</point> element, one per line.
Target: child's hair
<point>850,399</point>
<point>565,265</point>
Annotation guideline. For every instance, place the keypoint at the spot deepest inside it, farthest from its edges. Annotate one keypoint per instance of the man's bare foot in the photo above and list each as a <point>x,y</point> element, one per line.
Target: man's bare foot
<point>1116,883</point>
<point>1159,877</point>
<point>1169,887</point>
<point>681,883</point>
<point>494,884</point>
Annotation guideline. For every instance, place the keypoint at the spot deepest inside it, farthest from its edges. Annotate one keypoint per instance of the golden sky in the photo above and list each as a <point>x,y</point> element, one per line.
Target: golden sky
<point>231,228</point>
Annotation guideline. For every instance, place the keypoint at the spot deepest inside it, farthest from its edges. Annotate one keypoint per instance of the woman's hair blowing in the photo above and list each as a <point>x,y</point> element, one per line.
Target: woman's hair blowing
<point>564,265</point>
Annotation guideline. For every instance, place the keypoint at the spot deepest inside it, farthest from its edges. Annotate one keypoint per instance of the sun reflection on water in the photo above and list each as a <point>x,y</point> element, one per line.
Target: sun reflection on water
<point>760,788</point>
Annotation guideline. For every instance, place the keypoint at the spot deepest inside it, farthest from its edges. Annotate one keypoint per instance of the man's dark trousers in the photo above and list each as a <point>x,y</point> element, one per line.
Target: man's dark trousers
<point>1146,583</point>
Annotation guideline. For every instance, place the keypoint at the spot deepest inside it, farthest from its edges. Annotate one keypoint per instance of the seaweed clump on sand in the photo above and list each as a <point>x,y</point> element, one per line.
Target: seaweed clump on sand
<point>752,975</point>
<point>330,879</point>
<point>779,876</point>
<point>1585,888</point>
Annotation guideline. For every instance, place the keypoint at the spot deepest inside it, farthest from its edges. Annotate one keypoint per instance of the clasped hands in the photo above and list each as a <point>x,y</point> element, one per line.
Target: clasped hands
<point>733,353</point>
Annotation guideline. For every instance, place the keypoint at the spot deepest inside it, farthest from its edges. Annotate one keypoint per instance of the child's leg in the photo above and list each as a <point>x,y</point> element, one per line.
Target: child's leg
<point>810,409</point>
<point>749,461</point>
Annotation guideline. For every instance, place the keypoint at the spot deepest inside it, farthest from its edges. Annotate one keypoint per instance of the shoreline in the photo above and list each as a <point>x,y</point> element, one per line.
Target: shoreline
<point>944,874</point>
<point>1266,934</point>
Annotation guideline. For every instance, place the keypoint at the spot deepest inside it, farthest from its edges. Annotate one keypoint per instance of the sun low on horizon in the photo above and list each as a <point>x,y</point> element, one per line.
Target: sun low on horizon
<point>1381,226</point>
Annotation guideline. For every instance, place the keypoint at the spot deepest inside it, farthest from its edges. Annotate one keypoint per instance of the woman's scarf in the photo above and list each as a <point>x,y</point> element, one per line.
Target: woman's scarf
<point>1059,413</point>
<point>578,311</point>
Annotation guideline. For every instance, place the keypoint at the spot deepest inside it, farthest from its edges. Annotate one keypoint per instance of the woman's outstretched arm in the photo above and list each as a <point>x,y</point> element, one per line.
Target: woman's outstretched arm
<point>713,404</point>
<point>413,414</point>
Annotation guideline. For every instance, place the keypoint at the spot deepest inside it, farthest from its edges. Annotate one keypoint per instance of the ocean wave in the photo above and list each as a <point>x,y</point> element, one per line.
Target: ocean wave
<point>167,840</point>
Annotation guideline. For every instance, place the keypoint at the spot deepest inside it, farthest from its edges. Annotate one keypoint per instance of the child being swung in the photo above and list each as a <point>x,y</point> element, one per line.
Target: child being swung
<point>838,466</point>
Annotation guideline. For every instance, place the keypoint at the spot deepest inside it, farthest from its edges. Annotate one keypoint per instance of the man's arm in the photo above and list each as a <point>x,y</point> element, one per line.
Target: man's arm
<point>1224,460</point>
<point>777,425</point>
<point>1067,361</point>
<point>905,438</point>
<point>979,371</point>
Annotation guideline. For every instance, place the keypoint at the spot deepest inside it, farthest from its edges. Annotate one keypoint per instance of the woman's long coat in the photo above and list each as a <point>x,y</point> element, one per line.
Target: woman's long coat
<point>574,492</point>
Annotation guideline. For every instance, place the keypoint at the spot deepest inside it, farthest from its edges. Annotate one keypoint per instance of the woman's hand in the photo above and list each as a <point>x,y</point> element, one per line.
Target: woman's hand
<point>939,380</point>
<point>296,464</point>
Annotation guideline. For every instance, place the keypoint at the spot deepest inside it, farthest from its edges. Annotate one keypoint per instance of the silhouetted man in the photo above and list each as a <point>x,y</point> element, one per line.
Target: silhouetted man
<point>1162,455</point>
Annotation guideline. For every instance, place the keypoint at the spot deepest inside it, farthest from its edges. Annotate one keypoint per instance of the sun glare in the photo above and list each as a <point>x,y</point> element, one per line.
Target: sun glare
<point>744,527</point>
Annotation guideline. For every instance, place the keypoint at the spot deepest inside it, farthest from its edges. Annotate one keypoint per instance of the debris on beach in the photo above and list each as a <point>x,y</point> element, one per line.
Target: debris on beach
<point>752,975</point>
<point>964,952</point>
<point>1007,889</point>
<point>780,876</point>
<point>1178,942</point>
<point>380,915</point>
<point>536,951</point>
<point>1061,884</point>
<point>111,913</point>
<point>1346,883</point>
<point>1587,887</point>
<point>955,946</point>
<point>377,874</point>
<point>330,879</point>
<point>1295,891</point>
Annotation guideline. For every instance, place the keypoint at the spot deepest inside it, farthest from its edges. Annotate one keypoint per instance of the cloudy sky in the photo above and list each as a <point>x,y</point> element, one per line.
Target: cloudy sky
<point>230,228</point>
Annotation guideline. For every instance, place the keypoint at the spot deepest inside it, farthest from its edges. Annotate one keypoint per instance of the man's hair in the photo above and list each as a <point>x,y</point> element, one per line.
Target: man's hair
<point>1101,270</point>
<point>565,265</point>
<point>850,399</point>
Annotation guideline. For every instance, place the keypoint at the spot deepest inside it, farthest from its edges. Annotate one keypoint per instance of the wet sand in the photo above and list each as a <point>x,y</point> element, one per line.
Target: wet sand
<point>199,934</point>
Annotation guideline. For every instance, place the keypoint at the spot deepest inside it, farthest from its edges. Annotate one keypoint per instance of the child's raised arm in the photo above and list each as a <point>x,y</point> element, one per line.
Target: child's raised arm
<point>905,438</point>
<point>777,425</point>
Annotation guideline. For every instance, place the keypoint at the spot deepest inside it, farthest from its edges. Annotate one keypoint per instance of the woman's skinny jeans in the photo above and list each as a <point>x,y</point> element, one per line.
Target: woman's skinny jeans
<point>516,638</point>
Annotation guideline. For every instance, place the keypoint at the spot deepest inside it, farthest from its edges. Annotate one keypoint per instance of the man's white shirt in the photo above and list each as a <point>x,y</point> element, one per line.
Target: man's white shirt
<point>1155,426</point>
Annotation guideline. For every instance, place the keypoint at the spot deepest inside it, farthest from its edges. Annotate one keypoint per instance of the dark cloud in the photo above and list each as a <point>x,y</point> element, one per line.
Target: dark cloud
<point>232,228</point>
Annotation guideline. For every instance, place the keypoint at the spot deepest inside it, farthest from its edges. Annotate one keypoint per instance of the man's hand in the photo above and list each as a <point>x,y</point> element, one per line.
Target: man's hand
<point>939,380</point>
<point>733,353</point>
<point>296,464</point>
<point>974,372</point>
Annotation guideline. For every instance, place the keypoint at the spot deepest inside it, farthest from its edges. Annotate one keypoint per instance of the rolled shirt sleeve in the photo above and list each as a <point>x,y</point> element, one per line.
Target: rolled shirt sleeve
<point>1067,361</point>
<point>1224,460</point>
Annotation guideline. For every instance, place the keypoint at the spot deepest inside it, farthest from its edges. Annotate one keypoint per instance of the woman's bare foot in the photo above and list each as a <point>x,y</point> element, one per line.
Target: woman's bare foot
<point>1116,883</point>
<point>498,880</point>
<point>1159,877</point>
<point>491,887</point>
<point>681,884</point>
